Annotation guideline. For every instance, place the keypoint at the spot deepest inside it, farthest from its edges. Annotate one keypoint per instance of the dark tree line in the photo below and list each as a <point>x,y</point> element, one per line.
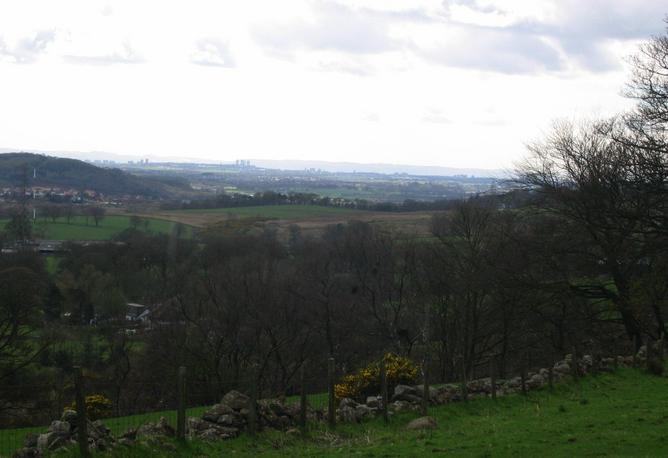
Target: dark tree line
<point>578,261</point>
<point>263,198</point>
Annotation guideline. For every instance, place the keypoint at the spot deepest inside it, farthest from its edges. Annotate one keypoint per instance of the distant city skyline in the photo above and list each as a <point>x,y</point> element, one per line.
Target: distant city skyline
<point>454,83</point>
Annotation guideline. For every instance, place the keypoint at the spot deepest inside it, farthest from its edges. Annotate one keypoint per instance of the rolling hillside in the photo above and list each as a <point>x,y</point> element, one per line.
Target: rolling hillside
<point>47,171</point>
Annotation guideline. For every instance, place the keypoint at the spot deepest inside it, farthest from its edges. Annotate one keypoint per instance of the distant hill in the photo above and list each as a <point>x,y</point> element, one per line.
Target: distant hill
<point>348,167</point>
<point>48,171</point>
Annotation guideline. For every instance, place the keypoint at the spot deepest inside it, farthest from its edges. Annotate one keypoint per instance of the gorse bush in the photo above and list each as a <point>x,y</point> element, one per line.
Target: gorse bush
<point>97,406</point>
<point>366,381</point>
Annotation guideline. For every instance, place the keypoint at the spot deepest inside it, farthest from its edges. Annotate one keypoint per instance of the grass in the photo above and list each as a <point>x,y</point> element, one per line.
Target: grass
<point>108,227</point>
<point>621,414</point>
<point>52,263</point>
<point>278,211</point>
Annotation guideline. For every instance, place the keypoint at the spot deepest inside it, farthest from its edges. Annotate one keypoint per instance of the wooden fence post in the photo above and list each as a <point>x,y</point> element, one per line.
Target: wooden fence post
<point>181,407</point>
<point>465,388</point>
<point>574,364</point>
<point>82,422</point>
<point>425,360</point>
<point>636,344</point>
<point>550,371</point>
<point>523,374</point>
<point>302,398</point>
<point>492,375</point>
<point>661,346</point>
<point>252,408</point>
<point>424,408</point>
<point>331,411</point>
<point>383,389</point>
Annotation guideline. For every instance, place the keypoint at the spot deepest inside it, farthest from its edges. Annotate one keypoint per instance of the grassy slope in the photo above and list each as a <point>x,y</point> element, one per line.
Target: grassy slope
<point>621,414</point>
<point>79,230</point>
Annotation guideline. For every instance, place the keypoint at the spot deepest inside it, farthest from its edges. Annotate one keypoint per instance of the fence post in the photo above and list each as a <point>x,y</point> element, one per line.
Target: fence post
<point>82,422</point>
<point>661,345</point>
<point>465,388</point>
<point>302,398</point>
<point>383,388</point>
<point>574,364</point>
<point>492,375</point>
<point>550,371</point>
<point>615,361</point>
<point>636,344</point>
<point>181,412</point>
<point>252,407</point>
<point>523,374</point>
<point>425,361</point>
<point>425,385</point>
<point>331,411</point>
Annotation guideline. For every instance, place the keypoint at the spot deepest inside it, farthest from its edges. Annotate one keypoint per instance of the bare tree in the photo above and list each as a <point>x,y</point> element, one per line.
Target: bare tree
<point>97,213</point>
<point>585,178</point>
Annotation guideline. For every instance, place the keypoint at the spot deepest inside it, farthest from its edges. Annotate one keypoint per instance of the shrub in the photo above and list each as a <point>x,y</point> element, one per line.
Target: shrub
<point>97,406</point>
<point>366,381</point>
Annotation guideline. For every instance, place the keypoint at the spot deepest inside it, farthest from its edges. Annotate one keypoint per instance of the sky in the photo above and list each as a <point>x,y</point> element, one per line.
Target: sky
<point>456,83</point>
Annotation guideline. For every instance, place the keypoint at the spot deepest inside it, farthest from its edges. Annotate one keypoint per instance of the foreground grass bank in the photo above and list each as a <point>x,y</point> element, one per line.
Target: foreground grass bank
<point>621,414</point>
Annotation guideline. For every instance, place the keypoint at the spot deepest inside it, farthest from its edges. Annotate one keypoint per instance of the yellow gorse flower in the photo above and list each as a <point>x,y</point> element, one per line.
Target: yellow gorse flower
<point>366,381</point>
<point>97,406</point>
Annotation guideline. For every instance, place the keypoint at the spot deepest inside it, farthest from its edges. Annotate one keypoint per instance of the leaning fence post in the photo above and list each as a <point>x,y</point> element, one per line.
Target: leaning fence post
<point>302,398</point>
<point>252,407</point>
<point>331,411</point>
<point>492,375</point>
<point>383,388</point>
<point>181,412</point>
<point>82,422</point>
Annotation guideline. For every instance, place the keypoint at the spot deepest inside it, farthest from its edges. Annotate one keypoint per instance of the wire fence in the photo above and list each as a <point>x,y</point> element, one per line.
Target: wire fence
<point>185,407</point>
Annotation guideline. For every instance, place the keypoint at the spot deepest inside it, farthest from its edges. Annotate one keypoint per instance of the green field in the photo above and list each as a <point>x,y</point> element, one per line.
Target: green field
<point>108,227</point>
<point>278,211</point>
<point>620,414</point>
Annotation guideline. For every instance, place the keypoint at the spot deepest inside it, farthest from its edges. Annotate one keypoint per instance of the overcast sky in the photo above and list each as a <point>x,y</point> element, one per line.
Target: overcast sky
<point>462,83</point>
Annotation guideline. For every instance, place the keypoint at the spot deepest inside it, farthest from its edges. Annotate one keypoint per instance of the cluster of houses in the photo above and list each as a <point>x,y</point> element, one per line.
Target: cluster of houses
<point>42,192</point>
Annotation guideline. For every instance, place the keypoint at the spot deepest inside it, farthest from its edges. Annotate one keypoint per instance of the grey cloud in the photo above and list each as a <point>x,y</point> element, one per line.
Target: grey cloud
<point>577,35</point>
<point>212,52</point>
<point>28,49</point>
<point>582,28</point>
<point>126,55</point>
<point>580,31</point>
<point>496,49</point>
<point>471,4</point>
<point>336,28</point>
<point>435,116</point>
<point>612,19</point>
